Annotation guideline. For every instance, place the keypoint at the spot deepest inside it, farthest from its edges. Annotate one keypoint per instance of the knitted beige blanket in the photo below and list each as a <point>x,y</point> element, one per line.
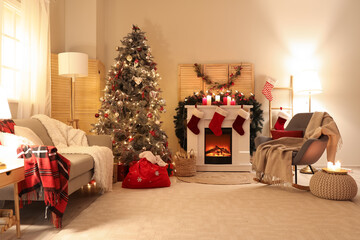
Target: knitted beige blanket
<point>273,159</point>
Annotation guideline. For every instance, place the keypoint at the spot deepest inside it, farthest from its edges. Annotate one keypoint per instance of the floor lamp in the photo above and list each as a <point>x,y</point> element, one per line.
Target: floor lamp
<point>4,114</point>
<point>73,64</point>
<point>308,82</point>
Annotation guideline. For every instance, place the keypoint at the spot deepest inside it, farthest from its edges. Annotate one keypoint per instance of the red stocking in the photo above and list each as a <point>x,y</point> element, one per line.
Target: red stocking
<point>282,118</point>
<point>239,121</point>
<point>216,121</point>
<point>269,85</point>
<point>194,120</point>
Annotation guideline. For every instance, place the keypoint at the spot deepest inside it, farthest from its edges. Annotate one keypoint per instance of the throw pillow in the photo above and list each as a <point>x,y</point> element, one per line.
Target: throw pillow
<point>28,134</point>
<point>11,142</point>
<point>283,133</point>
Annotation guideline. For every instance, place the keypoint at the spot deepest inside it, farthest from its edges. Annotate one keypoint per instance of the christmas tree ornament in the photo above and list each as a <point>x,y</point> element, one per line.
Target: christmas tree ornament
<point>153,94</point>
<point>269,85</point>
<point>106,115</point>
<point>196,115</point>
<point>97,115</point>
<point>129,58</point>
<point>138,80</point>
<point>242,116</point>
<point>217,120</point>
<point>280,122</point>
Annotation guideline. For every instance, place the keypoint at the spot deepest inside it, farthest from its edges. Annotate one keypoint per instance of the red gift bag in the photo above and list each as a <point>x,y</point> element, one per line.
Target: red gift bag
<point>144,174</point>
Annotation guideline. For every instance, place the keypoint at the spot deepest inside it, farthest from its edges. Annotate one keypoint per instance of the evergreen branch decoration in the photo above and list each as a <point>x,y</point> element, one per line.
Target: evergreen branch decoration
<point>256,116</point>
<point>205,78</point>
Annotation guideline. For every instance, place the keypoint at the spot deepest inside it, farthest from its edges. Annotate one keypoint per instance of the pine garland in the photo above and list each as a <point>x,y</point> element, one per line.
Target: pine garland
<point>223,86</point>
<point>256,116</point>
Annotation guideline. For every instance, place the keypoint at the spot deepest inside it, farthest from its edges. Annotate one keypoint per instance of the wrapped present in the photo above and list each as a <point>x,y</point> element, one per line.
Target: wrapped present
<point>122,170</point>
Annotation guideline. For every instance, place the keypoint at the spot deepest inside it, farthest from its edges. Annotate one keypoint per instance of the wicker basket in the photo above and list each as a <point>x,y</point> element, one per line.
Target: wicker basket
<point>185,164</point>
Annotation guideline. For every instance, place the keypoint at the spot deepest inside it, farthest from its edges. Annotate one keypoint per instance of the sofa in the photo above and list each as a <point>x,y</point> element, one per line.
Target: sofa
<point>82,165</point>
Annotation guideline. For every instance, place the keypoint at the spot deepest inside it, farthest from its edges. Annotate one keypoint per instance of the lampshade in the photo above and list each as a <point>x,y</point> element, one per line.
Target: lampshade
<point>4,106</point>
<point>73,64</point>
<point>308,82</point>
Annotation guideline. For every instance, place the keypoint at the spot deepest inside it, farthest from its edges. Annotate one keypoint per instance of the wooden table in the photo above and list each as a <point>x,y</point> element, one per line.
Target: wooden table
<point>12,174</point>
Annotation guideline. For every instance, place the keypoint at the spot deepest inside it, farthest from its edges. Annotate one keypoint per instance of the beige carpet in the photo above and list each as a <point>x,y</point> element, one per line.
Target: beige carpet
<point>198,211</point>
<point>220,178</point>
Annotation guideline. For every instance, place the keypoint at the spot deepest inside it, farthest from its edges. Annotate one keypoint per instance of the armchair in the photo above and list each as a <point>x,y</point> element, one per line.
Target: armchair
<point>310,151</point>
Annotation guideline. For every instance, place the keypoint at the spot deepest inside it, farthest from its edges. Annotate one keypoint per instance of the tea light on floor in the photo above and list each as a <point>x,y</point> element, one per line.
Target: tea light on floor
<point>208,100</point>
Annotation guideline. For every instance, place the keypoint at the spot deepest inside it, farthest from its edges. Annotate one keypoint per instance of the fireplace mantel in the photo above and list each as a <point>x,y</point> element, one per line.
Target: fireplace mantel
<point>240,144</point>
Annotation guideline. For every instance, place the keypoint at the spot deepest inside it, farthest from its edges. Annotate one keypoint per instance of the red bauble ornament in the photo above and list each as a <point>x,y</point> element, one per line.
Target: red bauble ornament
<point>161,108</point>
<point>97,115</point>
<point>149,115</point>
<point>113,141</point>
<point>232,83</point>
<point>106,115</point>
<point>152,133</point>
<point>136,60</point>
<point>231,75</point>
<point>139,49</point>
<point>131,139</point>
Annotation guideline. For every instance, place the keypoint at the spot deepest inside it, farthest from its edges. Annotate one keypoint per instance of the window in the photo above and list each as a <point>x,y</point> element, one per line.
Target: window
<point>10,47</point>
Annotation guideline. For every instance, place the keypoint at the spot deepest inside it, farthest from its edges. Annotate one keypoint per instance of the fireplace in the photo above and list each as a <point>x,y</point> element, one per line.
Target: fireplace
<point>218,148</point>
<point>239,144</point>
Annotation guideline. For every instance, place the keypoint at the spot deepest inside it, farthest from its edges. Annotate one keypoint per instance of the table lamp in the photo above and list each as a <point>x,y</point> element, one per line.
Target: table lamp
<point>308,82</point>
<point>73,64</point>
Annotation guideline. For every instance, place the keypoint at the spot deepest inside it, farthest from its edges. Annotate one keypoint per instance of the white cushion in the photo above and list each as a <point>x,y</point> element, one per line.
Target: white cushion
<point>10,144</point>
<point>28,134</point>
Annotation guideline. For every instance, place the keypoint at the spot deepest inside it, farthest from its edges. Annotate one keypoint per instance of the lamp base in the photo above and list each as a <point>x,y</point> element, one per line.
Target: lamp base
<point>307,170</point>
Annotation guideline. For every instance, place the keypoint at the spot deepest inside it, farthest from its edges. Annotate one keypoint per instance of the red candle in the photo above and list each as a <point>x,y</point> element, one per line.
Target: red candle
<point>204,101</point>
<point>232,102</point>
<point>225,100</point>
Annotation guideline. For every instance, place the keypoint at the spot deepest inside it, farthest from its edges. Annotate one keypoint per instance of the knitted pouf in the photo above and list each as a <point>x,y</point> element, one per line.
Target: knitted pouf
<point>333,186</point>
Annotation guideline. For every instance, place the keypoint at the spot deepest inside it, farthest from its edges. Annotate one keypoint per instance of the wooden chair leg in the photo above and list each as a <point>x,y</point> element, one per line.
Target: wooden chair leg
<point>298,186</point>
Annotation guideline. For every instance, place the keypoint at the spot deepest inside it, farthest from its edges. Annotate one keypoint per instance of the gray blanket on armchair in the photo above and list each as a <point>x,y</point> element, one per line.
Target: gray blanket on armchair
<point>273,159</point>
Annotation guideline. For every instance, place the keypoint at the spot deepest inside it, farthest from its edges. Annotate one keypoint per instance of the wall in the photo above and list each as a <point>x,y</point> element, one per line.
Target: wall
<point>279,37</point>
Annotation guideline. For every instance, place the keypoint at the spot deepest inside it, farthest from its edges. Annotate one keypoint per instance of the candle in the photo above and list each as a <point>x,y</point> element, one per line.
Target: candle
<point>217,98</point>
<point>337,165</point>
<point>209,100</point>
<point>225,101</point>
<point>232,102</point>
<point>334,167</point>
<point>204,101</point>
<point>229,100</point>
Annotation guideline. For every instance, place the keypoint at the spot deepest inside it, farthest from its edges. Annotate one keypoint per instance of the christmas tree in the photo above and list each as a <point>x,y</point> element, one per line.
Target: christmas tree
<point>131,106</point>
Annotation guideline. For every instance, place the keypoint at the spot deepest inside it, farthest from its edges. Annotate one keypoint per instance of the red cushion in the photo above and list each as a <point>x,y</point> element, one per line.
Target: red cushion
<point>283,133</point>
<point>144,174</point>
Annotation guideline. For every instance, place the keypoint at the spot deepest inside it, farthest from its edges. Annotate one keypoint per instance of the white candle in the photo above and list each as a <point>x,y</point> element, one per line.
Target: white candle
<point>337,165</point>
<point>217,98</point>
<point>228,100</point>
<point>208,100</point>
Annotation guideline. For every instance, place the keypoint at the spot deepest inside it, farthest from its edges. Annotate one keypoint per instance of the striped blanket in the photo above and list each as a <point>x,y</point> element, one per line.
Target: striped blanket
<point>45,170</point>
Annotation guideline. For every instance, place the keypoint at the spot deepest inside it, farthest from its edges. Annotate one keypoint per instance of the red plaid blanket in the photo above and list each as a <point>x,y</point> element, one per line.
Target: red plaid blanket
<point>45,168</point>
<point>7,125</point>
